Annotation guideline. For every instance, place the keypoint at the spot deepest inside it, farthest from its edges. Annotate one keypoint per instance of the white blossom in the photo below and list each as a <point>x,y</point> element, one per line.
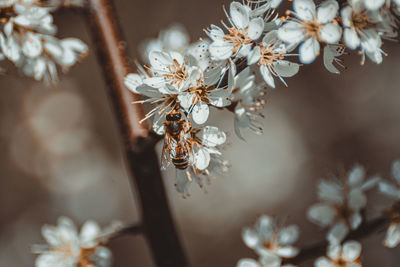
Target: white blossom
<point>310,26</point>
<point>206,160</point>
<point>270,56</point>
<point>69,248</point>
<point>27,39</point>
<point>243,31</point>
<point>341,204</point>
<point>270,242</point>
<point>347,255</point>
<point>363,30</point>
<point>392,238</point>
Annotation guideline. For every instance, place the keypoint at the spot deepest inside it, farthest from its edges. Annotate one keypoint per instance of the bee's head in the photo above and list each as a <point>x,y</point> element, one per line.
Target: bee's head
<point>173,116</point>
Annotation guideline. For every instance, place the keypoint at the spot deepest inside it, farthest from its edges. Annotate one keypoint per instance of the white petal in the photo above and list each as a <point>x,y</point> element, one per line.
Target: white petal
<point>254,56</point>
<point>186,100</point>
<point>32,46</point>
<point>266,227</point>
<point>221,50</point>
<point>389,189</point>
<point>200,113</point>
<point>67,230</point>
<point>396,171</point>
<point>160,61</point>
<point>330,192</point>
<point>330,33</point>
<point>256,28</point>
<point>250,237</point>
<point>132,81</point>
<point>287,252</point>
<point>291,32</point>
<point>50,233</point>
<point>373,4</point>
<point>351,250</point>
<point>271,260</point>
<point>357,199</point>
<point>351,38</point>
<point>392,238</point>
<point>211,136</point>
<point>346,15</point>
<point>239,15</point>
<point>356,176</point>
<point>334,251</point>
<point>267,76</point>
<point>337,233</point>
<point>202,159</point>
<point>148,91</point>
<point>309,50</point>
<point>327,11</point>
<point>89,232</point>
<point>50,260</point>
<point>322,214</point>
<point>305,9</point>
<point>355,220</point>
<point>247,263</point>
<point>323,262</point>
<point>285,68</point>
<point>215,33</point>
<point>288,235</point>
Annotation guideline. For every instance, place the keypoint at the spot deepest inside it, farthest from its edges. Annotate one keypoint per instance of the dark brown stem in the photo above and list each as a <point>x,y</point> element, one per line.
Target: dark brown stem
<point>138,143</point>
<point>319,249</point>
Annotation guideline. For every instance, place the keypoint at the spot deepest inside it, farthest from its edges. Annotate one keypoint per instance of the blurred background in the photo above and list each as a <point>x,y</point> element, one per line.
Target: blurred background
<point>60,152</point>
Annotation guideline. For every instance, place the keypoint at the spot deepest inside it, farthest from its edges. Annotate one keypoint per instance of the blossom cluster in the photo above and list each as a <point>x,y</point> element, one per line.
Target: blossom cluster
<point>66,247</point>
<point>342,208</point>
<point>27,39</point>
<point>218,72</point>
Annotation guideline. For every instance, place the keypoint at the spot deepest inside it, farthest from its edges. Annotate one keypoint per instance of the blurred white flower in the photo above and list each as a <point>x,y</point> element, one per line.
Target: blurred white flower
<point>270,243</point>
<point>341,204</point>
<point>390,189</point>
<point>347,255</point>
<point>311,25</point>
<point>174,38</point>
<point>68,248</point>
<point>27,39</point>
<point>392,238</point>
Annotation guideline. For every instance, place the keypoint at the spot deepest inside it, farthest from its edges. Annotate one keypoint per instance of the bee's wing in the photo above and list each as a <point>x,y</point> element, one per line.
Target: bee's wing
<point>165,154</point>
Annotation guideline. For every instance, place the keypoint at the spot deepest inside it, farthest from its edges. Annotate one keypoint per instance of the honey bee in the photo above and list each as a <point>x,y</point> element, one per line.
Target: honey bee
<point>177,141</point>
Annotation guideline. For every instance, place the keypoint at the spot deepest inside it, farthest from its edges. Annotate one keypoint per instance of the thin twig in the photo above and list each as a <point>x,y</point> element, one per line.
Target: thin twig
<point>319,249</point>
<point>138,143</point>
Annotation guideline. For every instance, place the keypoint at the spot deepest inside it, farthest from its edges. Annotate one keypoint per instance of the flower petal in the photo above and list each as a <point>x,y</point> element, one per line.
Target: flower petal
<point>305,9</point>
<point>248,263</point>
<point>211,136</point>
<point>337,233</point>
<point>291,32</point>
<point>285,68</point>
<point>256,28</point>
<point>323,262</point>
<point>330,33</point>
<point>321,214</point>
<point>309,50</point>
<point>250,238</point>
<point>288,235</point>
<point>200,113</point>
<point>351,251</point>
<point>239,15</point>
<point>327,11</point>
<point>351,38</point>
<point>221,50</point>
<point>267,76</point>
<point>392,238</point>
<point>132,81</point>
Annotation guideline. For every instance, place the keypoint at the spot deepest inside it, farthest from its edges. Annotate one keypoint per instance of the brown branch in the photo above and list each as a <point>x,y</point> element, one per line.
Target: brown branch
<point>319,249</point>
<point>138,143</point>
